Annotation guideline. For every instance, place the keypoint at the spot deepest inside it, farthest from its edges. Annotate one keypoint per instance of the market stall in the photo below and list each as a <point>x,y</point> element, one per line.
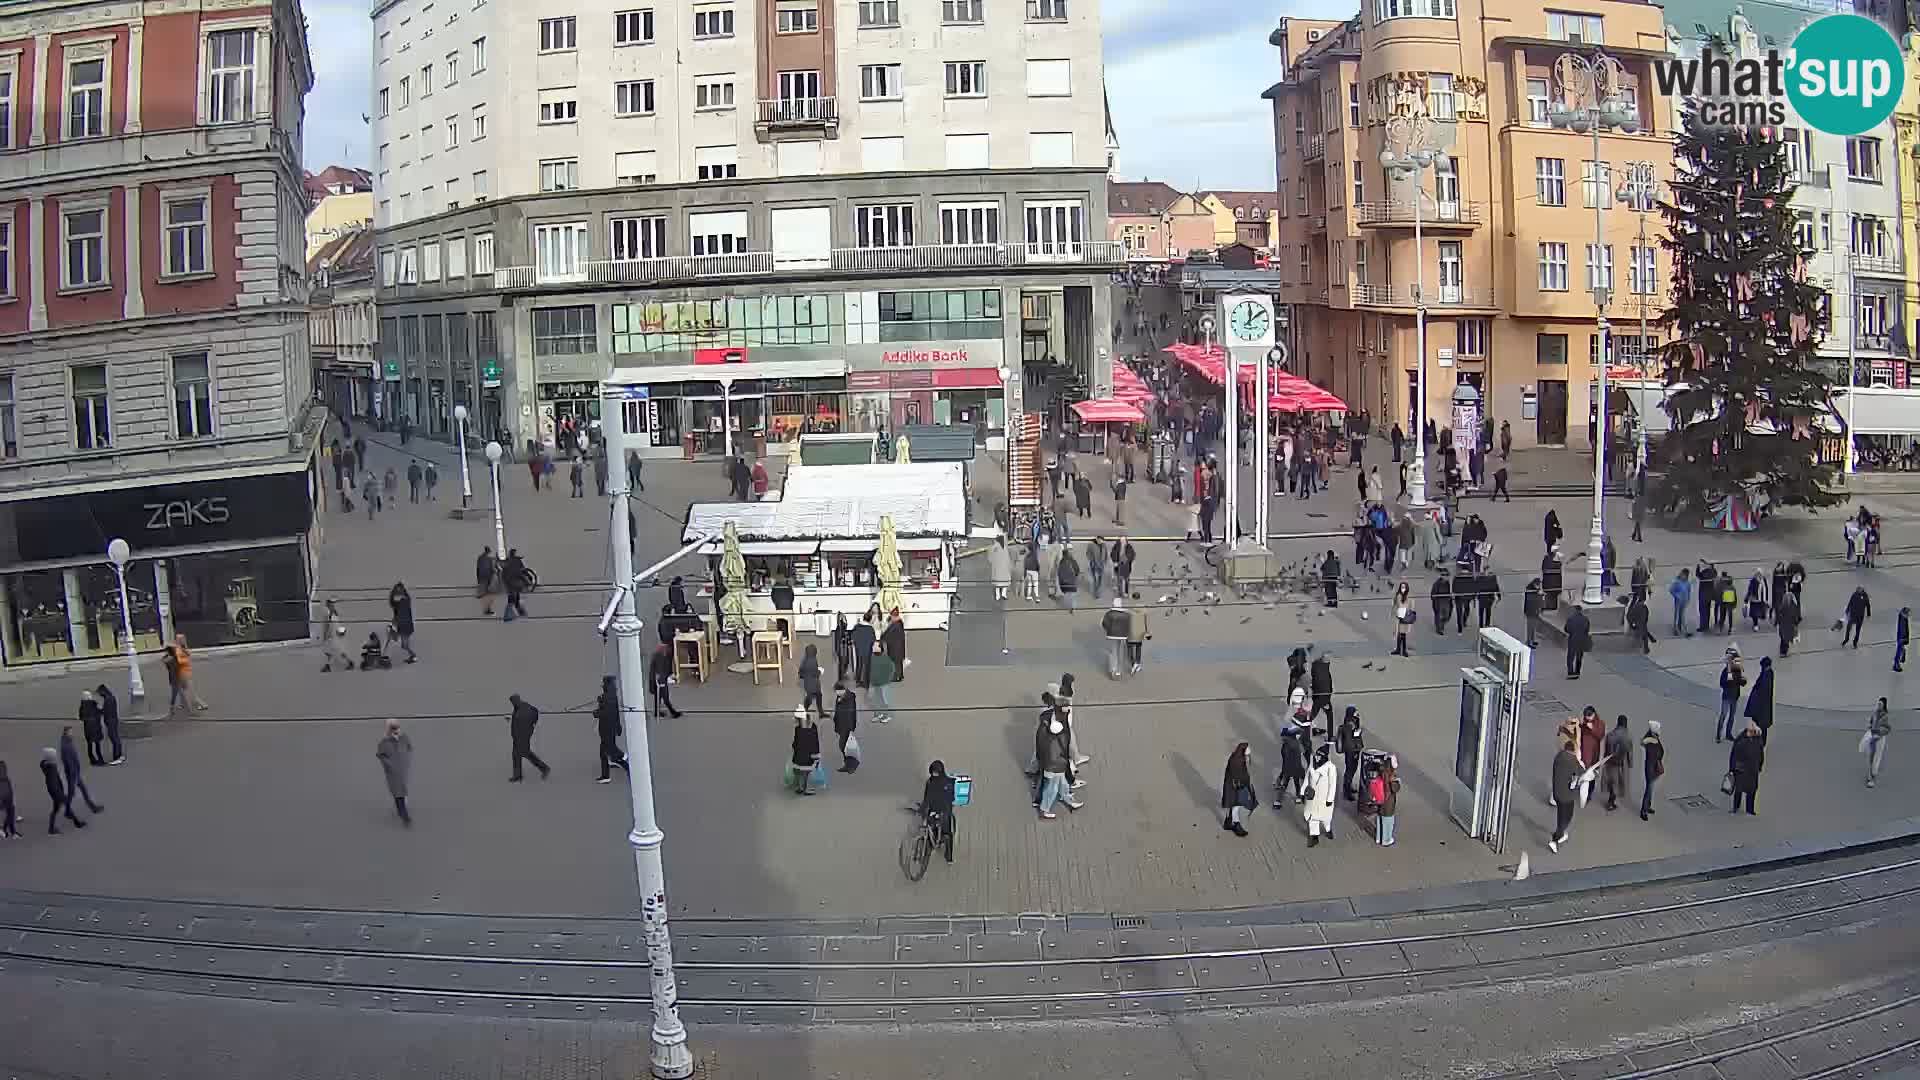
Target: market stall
<point>820,539</point>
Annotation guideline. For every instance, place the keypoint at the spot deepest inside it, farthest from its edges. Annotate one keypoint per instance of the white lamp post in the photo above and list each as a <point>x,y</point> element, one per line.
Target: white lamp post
<point>1599,82</point>
<point>1637,192</point>
<point>1413,145</point>
<point>118,553</point>
<point>499,526</point>
<point>460,432</point>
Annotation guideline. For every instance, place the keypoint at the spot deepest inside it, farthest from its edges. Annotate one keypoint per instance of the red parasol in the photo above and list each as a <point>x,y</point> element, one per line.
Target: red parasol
<point>1108,411</point>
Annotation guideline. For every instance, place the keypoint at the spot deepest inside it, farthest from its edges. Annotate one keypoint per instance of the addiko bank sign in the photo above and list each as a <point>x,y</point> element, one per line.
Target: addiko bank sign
<point>931,355</point>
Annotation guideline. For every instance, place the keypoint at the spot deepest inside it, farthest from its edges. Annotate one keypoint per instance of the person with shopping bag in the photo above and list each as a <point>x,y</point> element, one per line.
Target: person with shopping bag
<point>804,770</point>
<point>1237,796</point>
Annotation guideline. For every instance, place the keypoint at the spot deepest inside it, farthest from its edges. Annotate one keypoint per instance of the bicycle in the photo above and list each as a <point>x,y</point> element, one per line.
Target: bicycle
<point>917,846</point>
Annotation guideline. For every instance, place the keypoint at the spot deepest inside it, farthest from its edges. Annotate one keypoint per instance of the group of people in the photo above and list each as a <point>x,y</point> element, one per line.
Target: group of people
<point>870,655</point>
<point>1590,754</point>
<point>1050,561</point>
<point>1307,774</point>
<point>61,769</point>
<point>493,575</point>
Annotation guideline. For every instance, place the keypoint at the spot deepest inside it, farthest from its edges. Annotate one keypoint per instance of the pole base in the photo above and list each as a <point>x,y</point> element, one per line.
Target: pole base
<point>464,513</point>
<point>670,1061</point>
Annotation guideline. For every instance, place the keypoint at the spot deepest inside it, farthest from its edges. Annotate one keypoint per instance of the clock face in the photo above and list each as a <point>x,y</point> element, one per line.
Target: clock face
<point>1249,321</point>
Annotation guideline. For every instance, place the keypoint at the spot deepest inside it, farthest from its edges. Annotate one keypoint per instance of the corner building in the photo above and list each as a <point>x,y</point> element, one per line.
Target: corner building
<point>833,214</point>
<point>155,383</point>
<point>1507,254</point>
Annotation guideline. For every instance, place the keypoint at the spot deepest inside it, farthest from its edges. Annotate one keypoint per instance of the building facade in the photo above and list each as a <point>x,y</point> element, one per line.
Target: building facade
<point>155,385</point>
<point>755,182</point>
<point>341,321</point>
<point>1140,219</point>
<point>1508,254</point>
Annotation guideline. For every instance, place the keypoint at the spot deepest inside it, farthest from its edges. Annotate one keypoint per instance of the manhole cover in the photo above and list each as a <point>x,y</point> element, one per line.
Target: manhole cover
<point>1692,803</point>
<point>1543,702</point>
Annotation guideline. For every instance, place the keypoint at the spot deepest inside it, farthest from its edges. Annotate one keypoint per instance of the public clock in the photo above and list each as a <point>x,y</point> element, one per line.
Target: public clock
<point>1249,321</point>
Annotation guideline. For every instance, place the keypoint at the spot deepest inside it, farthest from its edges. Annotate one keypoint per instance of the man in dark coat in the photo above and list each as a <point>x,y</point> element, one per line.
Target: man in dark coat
<point>864,635</point>
<point>1531,604</point>
<point>1744,761</point>
<point>1637,616</point>
<point>846,717</point>
<point>92,729</point>
<point>1579,640</point>
<point>401,601</point>
<point>520,725</point>
<point>1330,578</point>
<point>70,765</point>
<point>606,718</point>
<point>1760,699</point>
<point>58,791</point>
<point>1350,743</point>
<point>1464,586</point>
<point>659,671</point>
<point>1707,576</point>
<point>1320,684</point>
<point>1786,619</point>
<point>1550,579</point>
<point>1442,603</point>
<point>1566,794</point>
<point>110,716</point>
<point>1487,594</point>
<point>1858,608</point>
<point>1296,668</point>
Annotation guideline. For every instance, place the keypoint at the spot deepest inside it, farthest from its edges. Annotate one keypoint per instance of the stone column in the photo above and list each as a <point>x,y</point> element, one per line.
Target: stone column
<point>76,611</point>
<point>163,599</point>
<point>135,306</point>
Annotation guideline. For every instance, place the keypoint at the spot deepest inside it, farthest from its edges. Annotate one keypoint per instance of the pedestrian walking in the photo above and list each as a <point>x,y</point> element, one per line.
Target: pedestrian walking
<point>1579,640</point>
<point>1732,679</point>
<point>811,697</point>
<point>1858,608</point>
<point>1384,793</point>
<point>1551,579</point>
<point>520,724</point>
<point>1137,637</point>
<point>842,648</point>
<point>433,481</point>
<point>1330,579</point>
<point>389,486</point>
<point>400,602</point>
<point>486,569</point>
<point>606,722</point>
<point>1442,599</point>
<point>633,471</point>
<point>395,754</point>
<point>1120,484</point>
<point>1874,743</point>
<point>1787,618</point>
<point>1351,742</point>
<point>370,493</point>
<point>70,765</point>
<point>1637,617</point>
<point>1403,618</point>
<point>1068,571</point>
<point>1053,756</point>
<point>415,479</point>
<point>1113,625</point>
<point>333,632</point>
<point>1532,602</point>
<point>1744,762</point>
<point>660,680</point>
<point>1639,512</point>
<point>865,636</point>
<point>576,479</point>
<point>893,641</point>
<point>1295,747</point>
<point>1097,564</point>
<point>1296,669</point>
<point>1486,594</point>
<point>1320,684</point>
<point>882,674</point>
<point>846,717</point>
<point>1237,796</point>
<point>57,791</point>
<point>1619,757</point>
<point>513,578</point>
<point>805,753</point>
<point>183,667</point>
<point>110,719</point>
<point>1566,793</point>
<point>1122,557</point>
<point>1000,568</point>
<point>1030,568</point>
<point>1550,529</point>
<point>599,465</point>
<point>1593,743</point>
<point>1901,630</point>
<point>1760,699</point>
<point>1680,590</point>
<point>1464,585</point>
<point>1653,765</point>
<point>1320,795</point>
<point>9,818</point>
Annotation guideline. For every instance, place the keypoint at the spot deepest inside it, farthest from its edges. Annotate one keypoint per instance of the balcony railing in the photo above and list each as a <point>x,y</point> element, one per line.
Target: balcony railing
<point>1874,342</point>
<point>842,260</point>
<point>1319,223</point>
<point>1401,212</point>
<point>799,112</point>
<point>1888,263</point>
<point>1316,148</point>
<point>1437,296</point>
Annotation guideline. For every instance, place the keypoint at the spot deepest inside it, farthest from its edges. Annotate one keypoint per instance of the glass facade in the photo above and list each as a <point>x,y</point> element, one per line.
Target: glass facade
<point>746,322</point>
<point>61,614</point>
<point>940,315</point>
<point>229,597</point>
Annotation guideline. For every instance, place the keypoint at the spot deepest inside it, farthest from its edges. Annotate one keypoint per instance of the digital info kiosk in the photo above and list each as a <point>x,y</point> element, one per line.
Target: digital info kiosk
<point>1482,784</point>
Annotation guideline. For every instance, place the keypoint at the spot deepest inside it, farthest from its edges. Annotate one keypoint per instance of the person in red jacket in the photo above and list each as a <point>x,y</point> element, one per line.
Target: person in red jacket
<point>1593,740</point>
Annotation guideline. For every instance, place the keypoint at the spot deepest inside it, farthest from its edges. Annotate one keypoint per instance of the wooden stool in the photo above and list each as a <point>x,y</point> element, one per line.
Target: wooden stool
<point>690,642</point>
<point>766,655</point>
<point>787,635</point>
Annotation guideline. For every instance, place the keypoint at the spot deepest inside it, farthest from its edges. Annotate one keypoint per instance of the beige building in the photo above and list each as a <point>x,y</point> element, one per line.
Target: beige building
<point>1140,218</point>
<point>1507,251</point>
<point>336,216</point>
<point>1240,217</point>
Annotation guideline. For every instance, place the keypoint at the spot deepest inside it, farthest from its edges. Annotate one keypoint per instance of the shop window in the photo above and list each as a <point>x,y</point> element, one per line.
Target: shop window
<point>940,315</point>
<point>230,597</point>
<point>566,331</point>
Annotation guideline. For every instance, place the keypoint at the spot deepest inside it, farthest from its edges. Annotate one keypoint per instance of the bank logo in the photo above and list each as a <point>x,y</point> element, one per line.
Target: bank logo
<point>1842,75</point>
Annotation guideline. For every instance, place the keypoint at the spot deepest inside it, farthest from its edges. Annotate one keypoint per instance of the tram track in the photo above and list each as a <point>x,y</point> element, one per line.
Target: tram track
<point>1040,985</point>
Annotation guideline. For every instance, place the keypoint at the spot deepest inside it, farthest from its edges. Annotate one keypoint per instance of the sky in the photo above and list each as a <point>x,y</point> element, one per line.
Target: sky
<point>1184,78</point>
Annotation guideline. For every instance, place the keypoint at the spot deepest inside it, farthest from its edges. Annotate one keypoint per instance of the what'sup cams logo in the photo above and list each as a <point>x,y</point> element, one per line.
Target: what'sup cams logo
<point>1843,76</point>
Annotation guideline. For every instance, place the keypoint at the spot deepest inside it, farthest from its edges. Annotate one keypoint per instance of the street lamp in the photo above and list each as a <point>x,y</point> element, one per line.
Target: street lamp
<point>1593,97</point>
<point>118,553</point>
<point>1637,192</point>
<point>460,431</point>
<point>1411,149</point>
<point>499,527</point>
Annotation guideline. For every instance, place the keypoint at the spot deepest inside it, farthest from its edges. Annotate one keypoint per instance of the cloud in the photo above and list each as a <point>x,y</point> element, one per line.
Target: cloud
<point>1190,113</point>
<point>1135,28</point>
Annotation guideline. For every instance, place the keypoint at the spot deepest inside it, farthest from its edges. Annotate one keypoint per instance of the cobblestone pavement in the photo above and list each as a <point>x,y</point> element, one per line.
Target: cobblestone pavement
<point>277,780</point>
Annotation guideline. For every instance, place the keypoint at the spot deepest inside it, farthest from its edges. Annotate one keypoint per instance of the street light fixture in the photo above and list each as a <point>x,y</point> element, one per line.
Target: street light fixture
<point>1594,98</point>
<point>1413,145</point>
<point>119,552</point>
<point>499,527</point>
<point>460,431</point>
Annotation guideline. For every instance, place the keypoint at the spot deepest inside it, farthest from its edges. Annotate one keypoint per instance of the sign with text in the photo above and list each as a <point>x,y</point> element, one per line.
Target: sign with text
<point>165,515</point>
<point>909,355</point>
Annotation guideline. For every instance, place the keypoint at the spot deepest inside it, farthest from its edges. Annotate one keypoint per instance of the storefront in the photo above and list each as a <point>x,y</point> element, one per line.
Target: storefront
<point>962,384</point>
<point>223,561</point>
<point>713,409</point>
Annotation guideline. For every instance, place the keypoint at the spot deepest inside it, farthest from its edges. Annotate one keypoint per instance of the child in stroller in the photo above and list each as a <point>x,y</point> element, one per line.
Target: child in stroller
<point>374,654</point>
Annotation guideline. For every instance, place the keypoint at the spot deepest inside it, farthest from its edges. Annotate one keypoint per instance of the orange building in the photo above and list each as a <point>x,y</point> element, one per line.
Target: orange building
<point>1508,213</point>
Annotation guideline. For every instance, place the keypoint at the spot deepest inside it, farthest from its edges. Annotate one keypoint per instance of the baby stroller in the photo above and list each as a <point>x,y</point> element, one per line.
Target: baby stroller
<point>374,654</point>
<point>1372,763</point>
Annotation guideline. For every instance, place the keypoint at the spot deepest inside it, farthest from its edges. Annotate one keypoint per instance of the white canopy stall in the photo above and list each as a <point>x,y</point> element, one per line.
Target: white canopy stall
<point>821,536</point>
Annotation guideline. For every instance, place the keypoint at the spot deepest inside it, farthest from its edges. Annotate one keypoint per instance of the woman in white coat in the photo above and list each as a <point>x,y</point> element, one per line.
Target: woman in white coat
<point>1325,783</point>
<point>1000,567</point>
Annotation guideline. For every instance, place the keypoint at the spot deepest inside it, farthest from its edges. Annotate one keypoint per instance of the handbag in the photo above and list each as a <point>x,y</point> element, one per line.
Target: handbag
<point>852,748</point>
<point>1866,740</point>
<point>1726,784</point>
<point>819,778</point>
<point>1247,799</point>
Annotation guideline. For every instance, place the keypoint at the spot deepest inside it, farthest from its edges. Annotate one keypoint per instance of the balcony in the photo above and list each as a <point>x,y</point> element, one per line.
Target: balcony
<point>1403,296</point>
<point>1316,148</point>
<point>1442,217</point>
<point>1884,264</point>
<point>1874,342</point>
<point>1319,223</point>
<point>920,258</point>
<point>810,115</point>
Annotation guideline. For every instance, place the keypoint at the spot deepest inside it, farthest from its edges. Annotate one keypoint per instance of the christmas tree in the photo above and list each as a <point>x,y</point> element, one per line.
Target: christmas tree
<point>1743,328</point>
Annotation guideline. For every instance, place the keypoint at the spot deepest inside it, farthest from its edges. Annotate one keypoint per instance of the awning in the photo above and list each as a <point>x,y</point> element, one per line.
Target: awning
<point>872,544</point>
<point>766,547</point>
<point>919,543</point>
<point>1107,411</point>
<point>1880,412</point>
<point>726,373</point>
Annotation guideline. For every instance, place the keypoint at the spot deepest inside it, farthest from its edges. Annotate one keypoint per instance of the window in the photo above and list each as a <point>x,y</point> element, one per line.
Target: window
<point>430,261</point>
<point>1574,26</point>
<point>883,153</point>
<point>386,105</point>
<point>1863,159</point>
<point>796,17</point>
<point>1038,10</point>
<point>969,223</point>
<point>479,54</point>
<point>409,266</point>
<point>92,429</point>
<point>940,315</point>
<point>426,81</point>
<point>565,331</point>
<point>560,251</point>
<point>9,434</point>
<point>1868,237</point>
<point>1596,184</point>
<point>713,92</point>
<point>559,106</point>
<point>1299,129</point>
<point>1353,104</point>
<point>713,22</point>
<point>966,78</point>
<point>186,224</point>
<point>883,226</point>
<point>1553,267</point>
<point>967,151</point>
<point>1826,231</point>
<point>1599,267</point>
<point>633,27</point>
<point>1359,185</point>
<point>1470,337</point>
<point>960,11</point>
<point>1440,97</point>
<point>1803,229</point>
<point>1550,349</point>
<point>230,76</point>
<point>1550,181</point>
<point>560,174</point>
<point>1593,348</point>
<point>1412,9</point>
<point>879,13</point>
<point>1537,103</point>
<point>426,147</point>
<point>636,167</point>
<point>1054,230</point>
<point>87,98</point>
<point>557,35</point>
<point>6,257</point>
<point>406,92</point>
<point>1049,78</point>
<point>479,122</point>
<point>483,254</point>
<point>480,191</point>
<point>1360,262</point>
<point>456,258</point>
<point>1874,314</point>
<point>716,162</point>
<point>453,69</point>
<point>1644,268</point>
<point>636,238</point>
<point>799,95</point>
<point>389,269</point>
<point>723,233</point>
<point>192,397</point>
<point>453,132</point>
<point>85,231</point>
<point>879,82</point>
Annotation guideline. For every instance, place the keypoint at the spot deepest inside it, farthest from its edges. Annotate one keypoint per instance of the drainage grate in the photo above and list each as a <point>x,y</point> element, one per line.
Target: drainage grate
<point>1129,922</point>
<point>1693,804</point>
<point>1543,702</point>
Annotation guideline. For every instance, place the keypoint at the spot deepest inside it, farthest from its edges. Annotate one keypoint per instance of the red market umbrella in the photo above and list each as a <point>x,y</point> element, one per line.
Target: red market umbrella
<point>1108,411</point>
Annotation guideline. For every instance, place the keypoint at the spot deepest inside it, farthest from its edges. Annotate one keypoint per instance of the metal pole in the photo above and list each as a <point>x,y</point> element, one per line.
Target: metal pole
<point>1853,341</point>
<point>460,431</point>
<point>670,1058</point>
<point>499,525</point>
<point>1592,595</point>
<point>1645,194</point>
<point>136,688</point>
<point>1262,420</point>
<point>1417,486</point>
<point>1231,450</point>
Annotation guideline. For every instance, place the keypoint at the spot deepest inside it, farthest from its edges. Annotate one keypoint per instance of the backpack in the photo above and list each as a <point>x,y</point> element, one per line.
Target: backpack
<point>1377,790</point>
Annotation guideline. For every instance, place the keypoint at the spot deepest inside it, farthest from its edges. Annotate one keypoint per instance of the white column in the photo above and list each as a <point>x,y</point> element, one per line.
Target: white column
<point>42,78</point>
<point>136,36</point>
<point>135,306</point>
<point>163,599</point>
<point>76,611</point>
<point>43,277</point>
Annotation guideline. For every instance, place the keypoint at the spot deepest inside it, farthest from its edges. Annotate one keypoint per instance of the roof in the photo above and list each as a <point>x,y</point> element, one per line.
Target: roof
<point>1246,204</point>
<point>1139,197</point>
<point>320,184</point>
<point>846,501</point>
<point>344,254</point>
<point>939,442</point>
